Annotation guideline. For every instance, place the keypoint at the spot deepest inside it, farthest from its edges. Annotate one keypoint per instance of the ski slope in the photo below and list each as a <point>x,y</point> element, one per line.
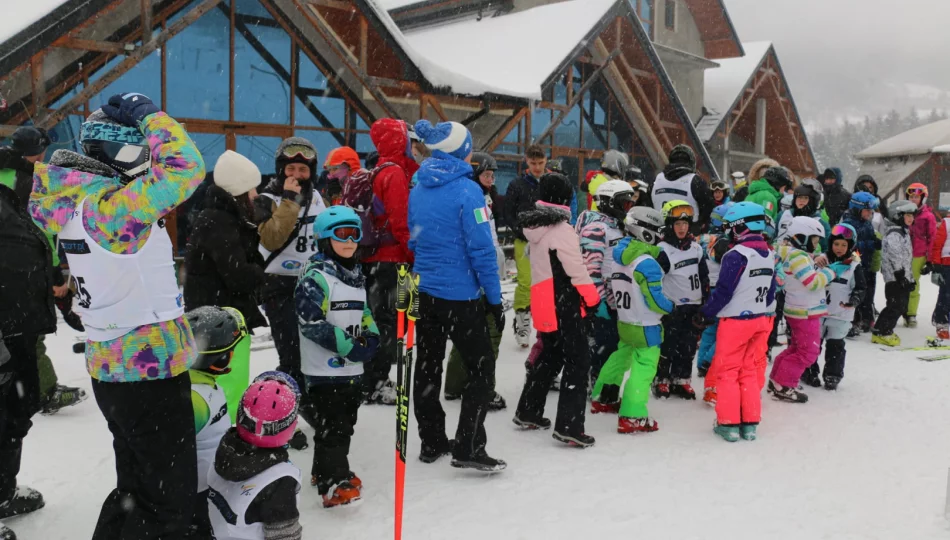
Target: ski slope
<point>867,462</point>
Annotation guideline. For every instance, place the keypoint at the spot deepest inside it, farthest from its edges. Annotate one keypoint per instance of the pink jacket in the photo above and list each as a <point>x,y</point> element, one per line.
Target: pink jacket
<point>923,231</point>
<point>550,234</point>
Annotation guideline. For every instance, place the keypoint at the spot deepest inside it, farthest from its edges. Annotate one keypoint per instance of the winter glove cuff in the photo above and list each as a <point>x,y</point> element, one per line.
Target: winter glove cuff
<point>129,109</point>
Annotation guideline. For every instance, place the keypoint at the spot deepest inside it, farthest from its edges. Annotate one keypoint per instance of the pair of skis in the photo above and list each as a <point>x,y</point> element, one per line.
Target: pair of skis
<point>407,312</point>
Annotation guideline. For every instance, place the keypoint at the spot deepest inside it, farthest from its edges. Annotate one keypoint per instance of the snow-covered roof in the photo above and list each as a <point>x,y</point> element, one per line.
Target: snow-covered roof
<point>889,174</point>
<point>18,16</point>
<point>511,55</point>
<point>724,85</point>
<point>928,139</point>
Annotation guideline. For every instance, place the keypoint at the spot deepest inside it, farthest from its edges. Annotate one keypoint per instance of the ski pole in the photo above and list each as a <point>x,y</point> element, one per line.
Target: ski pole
<point>402,305</point>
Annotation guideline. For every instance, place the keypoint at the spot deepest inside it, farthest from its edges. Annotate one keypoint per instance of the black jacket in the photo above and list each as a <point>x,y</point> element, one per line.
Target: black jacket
<point>837,198</point>
<point>520,197</point>
<point>223,265</point>
<point>11,159</point>
<point>26,280</point>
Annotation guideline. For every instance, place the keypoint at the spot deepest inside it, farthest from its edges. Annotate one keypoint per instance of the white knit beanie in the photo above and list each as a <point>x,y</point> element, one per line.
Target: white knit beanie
<point>236,174</point>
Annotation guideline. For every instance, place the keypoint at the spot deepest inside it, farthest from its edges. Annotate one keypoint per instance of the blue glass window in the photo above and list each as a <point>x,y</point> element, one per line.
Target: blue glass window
<point>315,106</point>
<point>540,119</point>
<point>568,132</point>
<point>506,173</point>
<point>260,150</point>
<point>261,69</point>
<point>211,146</point>
<point>198,69</point>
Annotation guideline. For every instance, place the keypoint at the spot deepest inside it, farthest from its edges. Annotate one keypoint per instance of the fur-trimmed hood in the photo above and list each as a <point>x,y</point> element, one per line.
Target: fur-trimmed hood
<point>759,168</point>
<point>544,215</point>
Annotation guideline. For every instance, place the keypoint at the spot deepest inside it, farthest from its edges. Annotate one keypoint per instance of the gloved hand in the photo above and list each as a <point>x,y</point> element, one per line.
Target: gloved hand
<point>364,349</point>
<point>497,311</point>
<point>909,284</point>
<point>821,261</point>
<point>927,268</point>
<point>129,109</point>
<point>839,267</point>
<point>937,276</point>
<point>702,322</point>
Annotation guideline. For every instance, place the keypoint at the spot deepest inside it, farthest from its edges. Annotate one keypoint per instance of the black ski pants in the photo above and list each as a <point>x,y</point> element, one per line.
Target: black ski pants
<point>335,407</point>
<point>897,296</point>
<point>603,339</point>
<point>941,314</point>
<point>680,341</point>
<point>779,315</point>
<point>569,349</point>
<point>864,314</point>
<point>153,435</point>
<point>381,295</point>
<point>465,323</point>
<point>20,396</point>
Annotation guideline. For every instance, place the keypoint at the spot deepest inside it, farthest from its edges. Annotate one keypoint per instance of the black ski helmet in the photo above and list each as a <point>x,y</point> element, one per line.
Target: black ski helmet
<point>777,177</point>
<point>814,199</point>
<point>482,162</point>
<point>217,331</point>
<point>121,148</point>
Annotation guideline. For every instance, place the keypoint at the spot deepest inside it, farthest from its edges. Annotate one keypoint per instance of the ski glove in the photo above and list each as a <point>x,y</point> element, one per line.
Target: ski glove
<point>129,109</point>
<point>497,311</point>
<point>364,349</point>
<point>937,277</point>
<point>702,322</point>
<point>927,268</point>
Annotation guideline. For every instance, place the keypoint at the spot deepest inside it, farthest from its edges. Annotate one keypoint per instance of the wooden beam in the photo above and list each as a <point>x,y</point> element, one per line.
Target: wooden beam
<point>437,107</point>
<point>594,77</point>
<point>128,63</point>
<point>146,21</point>
<point>504,130</point>
<point>37,83</point>
<point>666,144</point>
<point>746,101</point>
<point>95,45</point>
<point>364,40</point>
<point>335,4</point>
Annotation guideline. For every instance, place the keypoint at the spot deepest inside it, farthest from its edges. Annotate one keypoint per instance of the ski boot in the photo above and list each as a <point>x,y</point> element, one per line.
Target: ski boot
<point>943,332</point>
<point>661,388</point>
<point>831,383</point>
<point>747,431</point>
<point>432,454</point>
<point>786,393</point>
<point>341,494</point>
<point>853,332</point>
<point>683,389</point>
<point>811,378</point>
<point>709,397</point>
<point>384,394</point>
<point>497,403</point>
<point>910,321</point>
<point>24,501</point>
<point>701,371</point>
<point>598,407</point>
<point>451,397</point>
<point>729,433</point>
<point>531,424</point>
<point>299,440</point>
<point>355,481</point>
<point>891,340</point>
<point>480,462</point>
<point>581,440</point>
<point>6,533</point>
<point>60,398</point>
<point>636,425</point>
<point>522,324</point>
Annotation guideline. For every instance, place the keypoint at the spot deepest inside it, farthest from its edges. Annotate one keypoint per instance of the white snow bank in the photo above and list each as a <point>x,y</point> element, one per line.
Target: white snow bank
<point>931,138</point>
<point>510,55</point>
<point>17,15</point>
<point>723,85</point>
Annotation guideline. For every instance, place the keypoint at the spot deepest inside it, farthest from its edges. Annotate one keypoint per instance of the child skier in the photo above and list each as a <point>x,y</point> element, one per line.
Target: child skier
<point>940,276</point>
<point>922,234</point>
<point>337,334</point>
<point>599,232</point>
<point>253,487</point>
<point>217,332</point>
<point>860,216</point>
<point>560,290</point>
<point>741,301</point>
<point>844,294</point>
<point>898,274</point>
<point>637,287</point>
<point>805,305</point>
<point>714,244</point>
<point>685,282</point>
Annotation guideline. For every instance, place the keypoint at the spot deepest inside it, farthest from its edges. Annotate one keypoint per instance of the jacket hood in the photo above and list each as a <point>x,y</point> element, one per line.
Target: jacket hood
<point>762,185</point>
<point>217,198</point>
<point>391,139</point>
<point>832,172</point>
<point>866,179</point>
<point>352,277</point>
<point>236,460</point>
<point>536,223</point>
<point>756,242</point>
<point>442,170</point>
<point>68,179</point>
<point>759,167</point>
<point>924,210</point>
<point>633,250</point>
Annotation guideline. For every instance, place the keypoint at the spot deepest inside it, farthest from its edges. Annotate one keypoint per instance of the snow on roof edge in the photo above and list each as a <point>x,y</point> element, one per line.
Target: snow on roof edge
<point>18,16</point>
<point>932,138</point>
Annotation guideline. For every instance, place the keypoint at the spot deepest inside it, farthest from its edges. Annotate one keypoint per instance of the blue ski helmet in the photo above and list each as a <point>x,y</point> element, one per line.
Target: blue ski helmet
<point>715,218</point>
<point>863,200</point>
<point>333,218</point>
<point>745,216</point>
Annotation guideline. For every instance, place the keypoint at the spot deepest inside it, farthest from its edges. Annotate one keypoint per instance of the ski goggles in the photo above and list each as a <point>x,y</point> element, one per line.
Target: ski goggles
<point>681,212</point>
<point>345,233</point>
<point>844,232</point>
<point>916,191</point>
<point>299,150</point>
<point>132,160</point>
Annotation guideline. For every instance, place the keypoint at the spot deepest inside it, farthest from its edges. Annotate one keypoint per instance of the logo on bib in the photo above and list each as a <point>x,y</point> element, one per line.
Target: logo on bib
<point>179,299</point>
<point>291,265</point>
<point>336,362</point>
<point>745,313</point>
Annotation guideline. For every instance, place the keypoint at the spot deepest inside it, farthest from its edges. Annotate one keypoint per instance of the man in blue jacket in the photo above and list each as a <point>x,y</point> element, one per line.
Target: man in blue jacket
<point>450,234</point>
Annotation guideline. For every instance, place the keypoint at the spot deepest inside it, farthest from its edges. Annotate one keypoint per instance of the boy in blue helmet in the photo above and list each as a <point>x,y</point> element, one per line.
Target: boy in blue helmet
<point>859,216</point>
<point>337,335</point>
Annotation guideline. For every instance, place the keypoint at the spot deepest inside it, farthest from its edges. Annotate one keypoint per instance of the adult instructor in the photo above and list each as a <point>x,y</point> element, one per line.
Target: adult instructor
<point>679,181</point>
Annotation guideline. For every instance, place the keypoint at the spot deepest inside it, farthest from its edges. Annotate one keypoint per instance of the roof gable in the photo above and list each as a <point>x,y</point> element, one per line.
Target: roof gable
<point>926,139</point>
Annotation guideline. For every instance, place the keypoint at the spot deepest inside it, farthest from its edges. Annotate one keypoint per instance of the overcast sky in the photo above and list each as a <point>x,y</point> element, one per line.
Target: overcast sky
<point>851,57</point>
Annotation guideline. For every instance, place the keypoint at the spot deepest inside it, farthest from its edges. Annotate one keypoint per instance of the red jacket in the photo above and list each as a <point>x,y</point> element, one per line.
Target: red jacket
<point>936,248</point>
<point>391,186</point>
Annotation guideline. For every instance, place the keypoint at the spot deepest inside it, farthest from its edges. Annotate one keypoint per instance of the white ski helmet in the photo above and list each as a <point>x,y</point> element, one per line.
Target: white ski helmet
<point>801,231</point>
<point>644,224</point>
<point>615,162</point>
<point>614,198</point>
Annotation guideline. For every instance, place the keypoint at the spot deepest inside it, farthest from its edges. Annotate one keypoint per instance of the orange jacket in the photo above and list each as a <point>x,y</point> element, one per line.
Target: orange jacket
<point>936,248</point>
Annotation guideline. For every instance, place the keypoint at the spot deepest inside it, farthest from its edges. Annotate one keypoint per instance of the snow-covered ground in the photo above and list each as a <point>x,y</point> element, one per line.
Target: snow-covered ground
<point>867,462</point>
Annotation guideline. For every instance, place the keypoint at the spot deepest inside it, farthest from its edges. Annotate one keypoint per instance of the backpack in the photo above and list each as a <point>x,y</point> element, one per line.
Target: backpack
<point>358,195</point>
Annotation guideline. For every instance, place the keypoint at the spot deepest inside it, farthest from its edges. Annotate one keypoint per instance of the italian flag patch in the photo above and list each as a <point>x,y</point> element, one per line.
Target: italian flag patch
<point>481,215</point>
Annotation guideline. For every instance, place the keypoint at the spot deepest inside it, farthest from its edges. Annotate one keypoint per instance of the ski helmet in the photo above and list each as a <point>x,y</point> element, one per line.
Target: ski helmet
<point>122,148</point>
<point>644,224</point>
<point>778,178</point>
<point>339,223</point>
<point>677,210</point>
<point>267,414</point>
<point>217,331</point>
<point>898,209</point>
<point>279,376</point>
<point>296,150</point>
<point>716,217</point>
<point>615,198</point>
<point>482,162</point>
<point>615,163</point>
<point>843,231</point>
<point>802,230</point>
<point>719,185</point>
<point>770,231</point>
<point>786,202</point>
<point>917,189</point>
<point>815,184</point>
<point>863,200</point>
<point>744,217</point>
<point>633,174</point>
<point>814,199</point>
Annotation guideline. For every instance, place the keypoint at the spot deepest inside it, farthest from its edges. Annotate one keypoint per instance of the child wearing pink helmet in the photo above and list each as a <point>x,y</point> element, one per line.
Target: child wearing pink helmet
<point>253,488</point>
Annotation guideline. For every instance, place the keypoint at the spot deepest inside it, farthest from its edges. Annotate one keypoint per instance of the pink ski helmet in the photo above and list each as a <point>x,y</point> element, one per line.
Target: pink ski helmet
<point>267,416</point>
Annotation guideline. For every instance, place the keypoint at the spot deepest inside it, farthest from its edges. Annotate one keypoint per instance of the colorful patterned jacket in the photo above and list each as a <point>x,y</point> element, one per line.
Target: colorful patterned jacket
<point>119,217</point>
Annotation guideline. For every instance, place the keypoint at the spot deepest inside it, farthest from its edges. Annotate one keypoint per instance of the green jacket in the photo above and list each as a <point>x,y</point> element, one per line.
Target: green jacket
<point>762,193</point>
